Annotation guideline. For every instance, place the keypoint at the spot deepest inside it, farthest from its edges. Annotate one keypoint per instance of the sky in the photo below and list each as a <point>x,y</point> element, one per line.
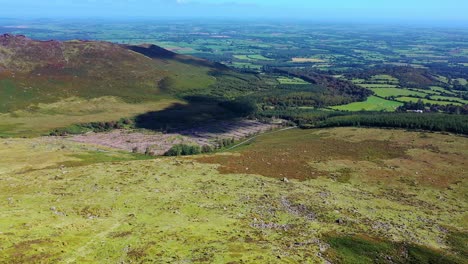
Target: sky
<point>330,10</point>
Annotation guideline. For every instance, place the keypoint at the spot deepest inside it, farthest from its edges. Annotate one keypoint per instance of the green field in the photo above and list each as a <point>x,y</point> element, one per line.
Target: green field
<point>442,90</point>
<point>426,101</point>
<point>291,80</point>
<point>259,57</point>
<point>388,92</point>
<point>242,57</point>
<point>462,81</point>
<point>243,65</point>
<point>252,57</point>
<point>426,91</point>
<point>446,98</point>
<point>377,85</point>
<point>372,103</point>
<point>384,78</point>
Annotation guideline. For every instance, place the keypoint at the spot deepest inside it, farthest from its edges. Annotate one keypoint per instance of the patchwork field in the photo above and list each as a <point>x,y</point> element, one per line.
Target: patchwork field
<point>401,197</point>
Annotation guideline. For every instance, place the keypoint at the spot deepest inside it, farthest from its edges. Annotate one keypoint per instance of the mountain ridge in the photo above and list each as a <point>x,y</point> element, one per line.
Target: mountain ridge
<point>34,71</point>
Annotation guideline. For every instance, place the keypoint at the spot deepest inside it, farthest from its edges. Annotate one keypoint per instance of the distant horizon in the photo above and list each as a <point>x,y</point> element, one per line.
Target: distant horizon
<point>429,12</point>
<point>350,22</point>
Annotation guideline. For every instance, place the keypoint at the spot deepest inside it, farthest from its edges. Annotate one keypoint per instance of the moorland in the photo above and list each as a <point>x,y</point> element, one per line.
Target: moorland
<point>217,142</point>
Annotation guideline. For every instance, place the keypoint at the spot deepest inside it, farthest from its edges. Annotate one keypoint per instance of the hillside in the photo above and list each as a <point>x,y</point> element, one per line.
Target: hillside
<point>51,84</point>
<point>34,72</point>
<point>351,196</point>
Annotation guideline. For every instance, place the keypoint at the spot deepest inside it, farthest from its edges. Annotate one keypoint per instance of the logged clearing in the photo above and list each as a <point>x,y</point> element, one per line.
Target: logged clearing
<point>160,143</point>
<point>401,192</point>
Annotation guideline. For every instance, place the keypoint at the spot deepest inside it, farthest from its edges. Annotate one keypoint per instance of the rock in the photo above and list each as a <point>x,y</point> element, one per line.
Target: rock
<point>285,180</point>
<point>339,221</point>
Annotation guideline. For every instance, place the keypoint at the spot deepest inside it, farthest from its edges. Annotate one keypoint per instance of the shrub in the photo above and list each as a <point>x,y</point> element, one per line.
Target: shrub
<point>183,150</point>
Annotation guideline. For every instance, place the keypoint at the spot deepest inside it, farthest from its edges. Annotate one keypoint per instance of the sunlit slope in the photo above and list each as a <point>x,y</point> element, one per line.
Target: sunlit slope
<point>89,205</point>
<point>33,72</point>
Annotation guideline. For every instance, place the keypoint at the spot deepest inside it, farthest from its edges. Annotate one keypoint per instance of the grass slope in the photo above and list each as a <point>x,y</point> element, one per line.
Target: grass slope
<point>46,85</point>
<point>35,72</point>
<point>185,210</point>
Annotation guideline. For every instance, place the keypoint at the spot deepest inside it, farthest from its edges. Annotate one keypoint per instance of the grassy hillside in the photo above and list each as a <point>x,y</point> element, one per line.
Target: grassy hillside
<point>51,84</point>
<point>34,72</point>
<point>400,199</point>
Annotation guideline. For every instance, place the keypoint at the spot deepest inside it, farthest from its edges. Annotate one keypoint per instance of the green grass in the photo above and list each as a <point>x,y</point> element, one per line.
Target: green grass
<point>44,118</point>
<point>135,78</point>
<point>413,99</point>
<point>372,103</point>
<point>377,85</point>
<point>362,249</point>
<point>462,81</point>
<point>93,157</point>
<point>384,78</point>
<point>246,65</point>
<point>101,207</point>
<point>242,57</point>
<point>447,98</point>
<point>442,90</point>
<point>293,80</point>
<point>357,249</point>
<point>259,57</point>
<point>388,92</point>
<point>458,242</point>
<point>254,57</point>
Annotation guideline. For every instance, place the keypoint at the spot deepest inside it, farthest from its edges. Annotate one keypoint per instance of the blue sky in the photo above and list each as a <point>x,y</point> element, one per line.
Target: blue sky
<point>339,10</point>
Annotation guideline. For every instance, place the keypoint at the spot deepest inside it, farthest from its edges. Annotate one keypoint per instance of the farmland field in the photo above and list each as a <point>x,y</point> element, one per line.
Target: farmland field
<point>388,92</point>
<point>372,103</point>
<point>441,90</point>
<point>294,80</point>
<point>377,85</point>
<point>301,60</point>
<point>446,98</point>
<point>413,99</point>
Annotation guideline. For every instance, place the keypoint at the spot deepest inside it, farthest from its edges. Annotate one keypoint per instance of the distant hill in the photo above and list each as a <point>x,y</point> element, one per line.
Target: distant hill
<point>34,72</point>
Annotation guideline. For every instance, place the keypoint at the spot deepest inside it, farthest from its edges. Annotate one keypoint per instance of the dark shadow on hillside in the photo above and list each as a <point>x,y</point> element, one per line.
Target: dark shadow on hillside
<point>184,116</point>
<point>206,113</point>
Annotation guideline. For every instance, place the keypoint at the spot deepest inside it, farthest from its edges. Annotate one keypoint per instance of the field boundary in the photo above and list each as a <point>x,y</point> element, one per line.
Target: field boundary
<point>254,137</point>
